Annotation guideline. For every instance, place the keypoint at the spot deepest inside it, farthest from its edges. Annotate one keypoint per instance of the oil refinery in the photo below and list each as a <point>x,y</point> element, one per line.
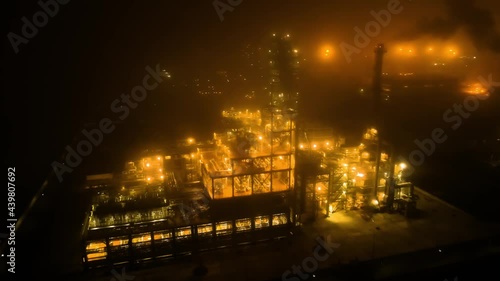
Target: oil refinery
<point>260,179</point>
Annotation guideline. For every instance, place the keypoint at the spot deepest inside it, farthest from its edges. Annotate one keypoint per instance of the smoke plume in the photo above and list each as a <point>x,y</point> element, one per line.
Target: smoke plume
<point>478,23</point>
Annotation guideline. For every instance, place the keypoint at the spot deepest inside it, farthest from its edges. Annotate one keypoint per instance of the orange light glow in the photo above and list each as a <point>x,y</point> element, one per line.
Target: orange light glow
<point>475,89</point>
<point>325,52</point>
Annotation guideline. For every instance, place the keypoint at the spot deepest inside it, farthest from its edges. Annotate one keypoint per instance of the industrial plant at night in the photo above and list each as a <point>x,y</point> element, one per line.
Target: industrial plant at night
<point>253,140</point>
<point>259,180</point>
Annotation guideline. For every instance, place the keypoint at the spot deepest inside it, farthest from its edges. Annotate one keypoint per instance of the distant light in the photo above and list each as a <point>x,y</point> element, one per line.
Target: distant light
<point>402,166</point>
<point>149,179</point>
<point>159,158</point>
<point>161,177</point>
<point>360,175</point>
<point>147,164</point>
<point>319,188</point>
<point>375,202</point>
<point>314,146</point>
<point>295,51</point>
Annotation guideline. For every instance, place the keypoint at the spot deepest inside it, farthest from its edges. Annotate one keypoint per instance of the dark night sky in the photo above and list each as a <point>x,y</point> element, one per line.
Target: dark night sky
<point>92,51</point>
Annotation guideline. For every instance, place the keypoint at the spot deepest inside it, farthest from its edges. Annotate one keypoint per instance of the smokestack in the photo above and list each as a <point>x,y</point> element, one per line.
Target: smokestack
<point>377,83</point>
<point>377,92</point>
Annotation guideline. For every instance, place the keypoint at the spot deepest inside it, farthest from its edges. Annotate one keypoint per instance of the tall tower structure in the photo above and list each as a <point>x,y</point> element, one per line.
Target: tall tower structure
<point>283,61</point>
<point>282,111</point>
<point>380,51</point>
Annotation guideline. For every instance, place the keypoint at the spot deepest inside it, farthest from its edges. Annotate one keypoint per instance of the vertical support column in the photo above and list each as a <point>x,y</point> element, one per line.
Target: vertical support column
<point>391,182</point>
<point>175,250</point>
<point>130,249</point>
<point>232,185</point>
<point>232,177</point>
<point>272,173</point>
<point>328,194</point>
<point>251,181</point>
<point>107,251</point>
<point>233,231</point>
<point>153,249</point>
<point>213,187</point>
<point>315,211</point>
